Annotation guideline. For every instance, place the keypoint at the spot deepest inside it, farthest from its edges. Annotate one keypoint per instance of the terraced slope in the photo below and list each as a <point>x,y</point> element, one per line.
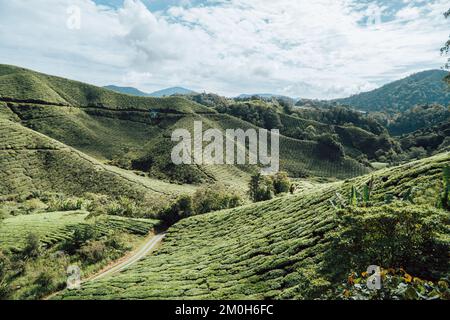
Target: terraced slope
<point>55,227</point>
<point>270,250</point>
<point>31,162</point>
<point>120,128</point>
<point>19,84</point>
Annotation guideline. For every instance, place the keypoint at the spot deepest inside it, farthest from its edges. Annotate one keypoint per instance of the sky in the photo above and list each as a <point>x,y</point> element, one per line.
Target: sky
<point>301,48</point>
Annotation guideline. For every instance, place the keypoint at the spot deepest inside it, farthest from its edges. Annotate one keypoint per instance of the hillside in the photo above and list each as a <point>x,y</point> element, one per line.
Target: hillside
<point>157,94</point>
<point>170,92</point>
<point>34,162</point>
<point>294,247</point>
<point>134,132</point>
<point>425,87</point>
<point>127,90</point>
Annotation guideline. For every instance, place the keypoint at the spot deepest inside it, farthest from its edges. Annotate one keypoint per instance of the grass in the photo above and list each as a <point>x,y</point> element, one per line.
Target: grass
<point>120,128</point>
<point>54,227</point>
<point>32,162</point>
<point>270,250</point>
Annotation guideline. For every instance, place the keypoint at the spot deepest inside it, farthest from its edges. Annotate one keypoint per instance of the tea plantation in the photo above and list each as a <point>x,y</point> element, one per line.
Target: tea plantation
<point>55,227</point>
<point>286,248</point>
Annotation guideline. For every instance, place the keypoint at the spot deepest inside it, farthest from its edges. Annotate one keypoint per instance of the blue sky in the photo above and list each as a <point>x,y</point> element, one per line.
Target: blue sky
<point>302,48</point>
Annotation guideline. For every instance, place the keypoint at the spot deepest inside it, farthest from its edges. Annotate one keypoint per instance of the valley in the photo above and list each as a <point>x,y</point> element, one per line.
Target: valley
<point>86,177</point>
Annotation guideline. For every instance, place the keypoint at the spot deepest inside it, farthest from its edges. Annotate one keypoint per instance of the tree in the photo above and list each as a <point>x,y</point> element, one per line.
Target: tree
<point>328,147</point>
<point>261,188</point>
<point>5,267</point>
<point>33,246</point>
<point>446,48</point>
<point>180,209</point>
<point>281,183</point>
<point>214,198</point>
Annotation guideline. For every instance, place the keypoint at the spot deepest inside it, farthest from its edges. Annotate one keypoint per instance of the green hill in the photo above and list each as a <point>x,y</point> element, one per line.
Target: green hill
<point>33,162</point>
<point>127,90</point>
<point>53,228</point>
<point>170,92</point>
<point>295,247</point>
<point>134,132</point>
<point>425,87</point>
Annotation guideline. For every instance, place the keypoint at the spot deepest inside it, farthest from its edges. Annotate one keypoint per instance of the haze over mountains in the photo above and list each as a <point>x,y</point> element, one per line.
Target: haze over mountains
<point>427,87</point>
<point>158,94</point>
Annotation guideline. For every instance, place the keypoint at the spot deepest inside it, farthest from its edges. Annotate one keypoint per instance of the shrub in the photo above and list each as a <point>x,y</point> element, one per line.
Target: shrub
<point>328,147</point>
<point>261,188</point>
<point>281,183</point>
<point>115,242</point>
<point>93,252</point>
<point>445,195</point>
<point>395,285</point>
<point>82,234</point>
<point>97,204</point>
<point>59,203</point>
<point>124,207</point>
<point>32,246</point>
<point>214,198</point>
<point>45,280</point>
<point>181,208</point>
<point>5,265</point>
<point>34,205</point>
<point>408,236</point>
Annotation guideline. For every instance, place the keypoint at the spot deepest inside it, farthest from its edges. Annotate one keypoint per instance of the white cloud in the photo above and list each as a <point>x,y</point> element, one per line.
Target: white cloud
<point>321,48</point>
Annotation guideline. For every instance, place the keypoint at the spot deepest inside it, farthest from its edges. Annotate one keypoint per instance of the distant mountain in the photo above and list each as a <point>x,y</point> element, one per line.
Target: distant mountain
<point>128,90</point>
<point>425,87</point>
<point>171,91</point>
<point>158,94</point>
<point>264,96</point>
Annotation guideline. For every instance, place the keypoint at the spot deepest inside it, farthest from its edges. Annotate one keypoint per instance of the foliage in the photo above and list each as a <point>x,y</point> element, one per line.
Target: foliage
<point>274,249</point>
<point>92,252</point>
<point>60,203</point>
<point>256,112</point>
<point>421,88</point>
<point>418,117</point>
<point>180,209</point>
<point>396,284</point>
<point>329,148</point>
<point>32,247</point>
<point>446,48</point>
<point>281,182</point>
<point>5,267</point>
<point>261,188</point>
<point>214,198</point>
<point>81,235</point>
<point>445,195</point>
<point>412,237</point>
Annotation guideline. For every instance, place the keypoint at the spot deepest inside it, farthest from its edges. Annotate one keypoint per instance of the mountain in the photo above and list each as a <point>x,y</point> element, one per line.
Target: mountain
<point>121,130</point>
<point>85,174</point>
<point>127,90</point>
<point>425,87</point>
<point>171,91</point>
<point>264,96</point>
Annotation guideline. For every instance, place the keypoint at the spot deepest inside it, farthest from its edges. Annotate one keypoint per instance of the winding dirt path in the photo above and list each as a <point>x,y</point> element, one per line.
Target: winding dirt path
<point>130,260</point>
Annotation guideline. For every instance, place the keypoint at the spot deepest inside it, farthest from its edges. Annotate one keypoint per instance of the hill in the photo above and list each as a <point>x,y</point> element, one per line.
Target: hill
<point>297,247</point>
<point>134,132</point>
<point>170,92</point>
<point>127,90</point>
<point>32,162</point>
<point>264,96</point>
<point>425,87</point>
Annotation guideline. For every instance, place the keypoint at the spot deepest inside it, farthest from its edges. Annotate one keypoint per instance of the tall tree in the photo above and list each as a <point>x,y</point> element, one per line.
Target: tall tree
<point>446,48</point>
